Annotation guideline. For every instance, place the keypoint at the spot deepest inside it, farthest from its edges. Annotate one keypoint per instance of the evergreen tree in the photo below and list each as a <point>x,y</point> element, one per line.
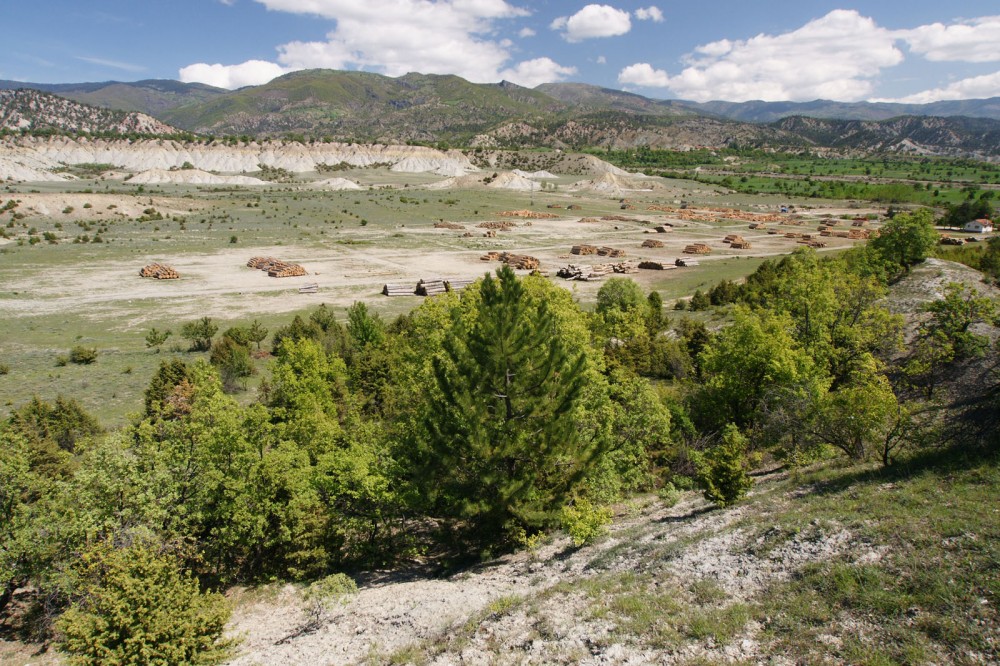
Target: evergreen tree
<point>503,447</point>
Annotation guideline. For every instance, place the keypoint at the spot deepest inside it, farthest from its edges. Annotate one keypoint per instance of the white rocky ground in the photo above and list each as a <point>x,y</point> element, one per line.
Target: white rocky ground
<point>386,616</point>
<point>191,177</point>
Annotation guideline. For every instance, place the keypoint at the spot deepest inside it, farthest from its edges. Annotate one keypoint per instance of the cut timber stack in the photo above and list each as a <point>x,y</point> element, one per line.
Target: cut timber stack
<point>528,214</point>
<point>431,287</point>
<point>610,252</point>
<point>652,243</point>
<point>490,256</point>
<point>697,248</point>
<point>588,220</point>
<point>398,290</point>
<point>503,225</point>
<point>457,284</point>
<point>520,261</point>
<point>682,262</point>
<point>625,267</point>
<point>159,271</point>
<point>276,268</point>
<point>740,244</point>
<point>448,225</point>
<point>732,238</point>
<point>584,249</point>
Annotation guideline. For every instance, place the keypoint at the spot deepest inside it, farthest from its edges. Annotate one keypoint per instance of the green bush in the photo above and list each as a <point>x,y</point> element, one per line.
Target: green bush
<point>82,355</point>
<point>584,521</point>
<point>722,470</point>
<point>135,606</point>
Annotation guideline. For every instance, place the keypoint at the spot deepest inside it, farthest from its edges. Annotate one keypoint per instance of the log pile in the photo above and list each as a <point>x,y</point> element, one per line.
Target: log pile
<point>625,267</point>
<point>159,271</point>
<point>859,234</point>
<point>619,218</point>
<point>697,248</point>
<point>652,243</point>
<point>490,256</point>
<point>741,244</point>
<point>574,207</point>
<point>554,206</point>
<point>520,261</point>
<point>588,220</point>
<point>613,253</point>
<point>528,214</point>
<point>431,287</point>
<point>682,262</point>
<point>583,249</point>
<point>859,222</point>
<point>457,284</point>
<point>732,238</point>
<point>276,268</point>
<point>502,225</point>
<point>398,290</point>
<point>448,225</point>
<point>490,233</point>
<point>758,225</point>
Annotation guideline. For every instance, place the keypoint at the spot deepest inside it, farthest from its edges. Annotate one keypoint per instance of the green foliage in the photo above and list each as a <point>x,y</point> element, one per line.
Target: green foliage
<point>619,293</point>
<point>163,385</point>
<point>364,327</point>
<point>156,338</point>
<point>233,361</point>
<point>502,448</point>
<point>722,470</point>
<point>953,315</point>
<point>135,605</point>
<point>200,333</point>
<point>699,301</point>
<point>82,355</point>
<point>905,240</point>
<point>63,423</point>
<point>585,522</point>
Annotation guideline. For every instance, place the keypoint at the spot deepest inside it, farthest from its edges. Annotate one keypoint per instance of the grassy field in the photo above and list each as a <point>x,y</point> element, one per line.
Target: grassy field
<point>70,260</point>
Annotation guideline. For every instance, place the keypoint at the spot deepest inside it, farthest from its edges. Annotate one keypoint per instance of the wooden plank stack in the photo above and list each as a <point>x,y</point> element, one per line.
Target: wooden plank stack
<point>159,271</point>
<point>490,256</point>
<point>652,243</point>
<point>697,248</point>
<point>741,244</point>
<point>611,252</point>
<point>625,267</point>
<point>520,261</point>
<point>583,249</point>
<point>502,225</point>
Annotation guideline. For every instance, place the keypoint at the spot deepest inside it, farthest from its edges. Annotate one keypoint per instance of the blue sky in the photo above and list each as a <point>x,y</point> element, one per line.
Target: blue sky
<point>918,51</point>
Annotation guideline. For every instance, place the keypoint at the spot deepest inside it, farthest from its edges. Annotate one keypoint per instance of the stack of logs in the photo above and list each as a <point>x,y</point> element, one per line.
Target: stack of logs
<point>610,252</point>
<point>521,261</point>
<point>652,243</point>
<point>595,272</point>
<point>448,225</point>
<point>503,225</point>
<point>583,249</point>
<point>276,268</point>
<point>697,248</point>
<point>528,214</point>
<point>159,271</point>
<point>737,242</point>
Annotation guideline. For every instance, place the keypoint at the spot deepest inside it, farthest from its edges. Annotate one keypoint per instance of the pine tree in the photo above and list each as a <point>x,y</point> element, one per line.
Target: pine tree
<point>504,448</point>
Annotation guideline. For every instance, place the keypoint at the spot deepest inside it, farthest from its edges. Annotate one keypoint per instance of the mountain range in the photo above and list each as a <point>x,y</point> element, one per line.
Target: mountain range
<point>424,108</point>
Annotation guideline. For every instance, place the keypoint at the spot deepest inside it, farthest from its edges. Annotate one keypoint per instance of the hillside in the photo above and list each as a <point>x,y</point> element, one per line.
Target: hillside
<point>150,96</point>
<point>364,106</point>
<point>34,110</point>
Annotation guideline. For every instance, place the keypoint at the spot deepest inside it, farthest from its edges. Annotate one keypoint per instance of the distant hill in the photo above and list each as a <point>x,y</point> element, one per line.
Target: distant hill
<point>767,112</point>
<point>424,108</point>
<point>365,107</point>
<point>151,96</point>
<point>35,110</point>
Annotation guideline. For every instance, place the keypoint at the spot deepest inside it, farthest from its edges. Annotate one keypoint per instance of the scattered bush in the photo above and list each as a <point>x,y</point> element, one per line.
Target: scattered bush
<point>82,355</point>
<point>584,521</point>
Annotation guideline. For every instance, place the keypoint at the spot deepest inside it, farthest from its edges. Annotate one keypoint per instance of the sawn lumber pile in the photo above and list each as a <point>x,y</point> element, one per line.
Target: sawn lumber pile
<point>697,248</point>
<point>504,225</point>
<point>448,225</point>
<point>583,249</point>
<point>652,243</point>
<point>159,271</point>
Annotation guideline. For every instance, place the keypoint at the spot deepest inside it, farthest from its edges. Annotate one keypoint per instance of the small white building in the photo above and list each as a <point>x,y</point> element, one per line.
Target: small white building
<point>982,226</point>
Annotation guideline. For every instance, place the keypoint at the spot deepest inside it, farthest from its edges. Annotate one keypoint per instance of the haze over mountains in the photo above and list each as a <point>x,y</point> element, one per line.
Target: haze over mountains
<point>367,107</point>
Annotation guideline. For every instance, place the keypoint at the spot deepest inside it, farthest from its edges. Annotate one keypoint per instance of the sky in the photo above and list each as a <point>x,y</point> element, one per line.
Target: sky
<point>736,50</point>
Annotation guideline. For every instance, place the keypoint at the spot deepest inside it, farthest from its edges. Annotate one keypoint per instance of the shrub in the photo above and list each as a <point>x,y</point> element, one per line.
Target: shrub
<point>4,369</point>
<point>722,470</point>
<point>82,355</point>
<point>135,606</point>
<point>584,521</point>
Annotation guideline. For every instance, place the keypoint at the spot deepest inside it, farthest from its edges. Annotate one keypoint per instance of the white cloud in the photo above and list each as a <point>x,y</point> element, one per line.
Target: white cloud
<point>601,60</point>
<point>394,37</point>
<point>526,32</point>
<point>651,13</point>
<point>837,57</point>
<point>249,73</point>
<point>643,74</point>
<point>531,73</point>
<point>593,21</point>
<point>977,40</point>
<point>976,87</point>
